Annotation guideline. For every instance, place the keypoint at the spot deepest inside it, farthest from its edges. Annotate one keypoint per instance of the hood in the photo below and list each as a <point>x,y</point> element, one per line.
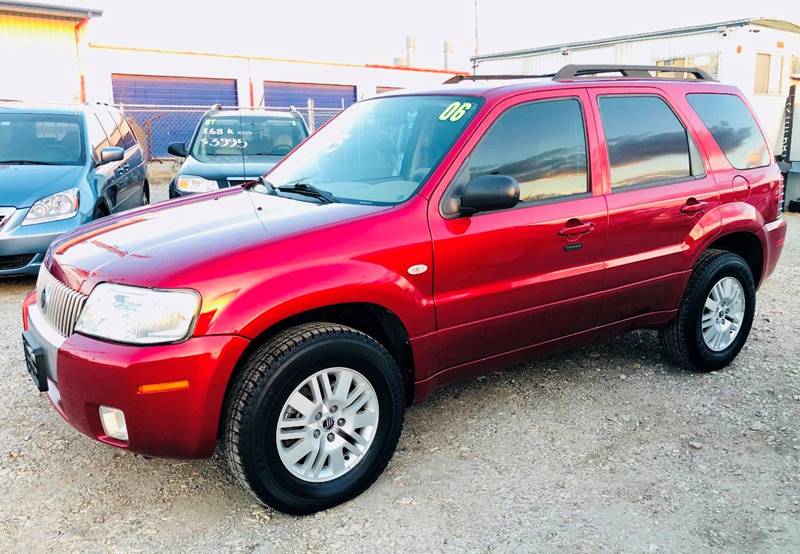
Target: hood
<point>22,185</point>
<point>148,245</point>
<point>229,167</point>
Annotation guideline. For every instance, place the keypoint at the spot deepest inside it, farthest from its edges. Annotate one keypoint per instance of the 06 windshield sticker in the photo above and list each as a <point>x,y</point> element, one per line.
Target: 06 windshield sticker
<point>455,111</point>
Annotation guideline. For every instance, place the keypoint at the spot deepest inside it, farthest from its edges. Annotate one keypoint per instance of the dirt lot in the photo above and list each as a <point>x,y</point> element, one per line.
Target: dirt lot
<point>601,448</point>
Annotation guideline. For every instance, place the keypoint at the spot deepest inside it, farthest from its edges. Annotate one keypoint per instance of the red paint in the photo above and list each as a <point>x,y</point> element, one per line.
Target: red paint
<point>500,288</point>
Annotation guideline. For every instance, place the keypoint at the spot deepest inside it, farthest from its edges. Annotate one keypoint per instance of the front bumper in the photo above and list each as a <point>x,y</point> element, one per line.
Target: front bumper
<point>24,247</point>
<point>85,373</point>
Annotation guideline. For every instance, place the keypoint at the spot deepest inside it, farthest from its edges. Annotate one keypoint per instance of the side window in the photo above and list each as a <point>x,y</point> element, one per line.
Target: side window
<point>128,138</point>
<point>541,144</point>
<point>109,123</point>
<point>97,136</point>
<point>733,127</point>
<point>647,144</point>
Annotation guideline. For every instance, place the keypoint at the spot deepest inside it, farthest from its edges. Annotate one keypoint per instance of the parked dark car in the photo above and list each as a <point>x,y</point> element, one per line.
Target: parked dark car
<point>415,240</point>
<point>61,167</point>
<point>233,146</point>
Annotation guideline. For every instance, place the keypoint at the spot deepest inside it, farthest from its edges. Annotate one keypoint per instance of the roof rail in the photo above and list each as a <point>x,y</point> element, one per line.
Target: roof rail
<point>458,78</point>
<point>573,71</point>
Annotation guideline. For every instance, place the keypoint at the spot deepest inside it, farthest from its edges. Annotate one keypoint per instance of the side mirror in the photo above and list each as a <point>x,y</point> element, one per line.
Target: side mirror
<point>489,192</point>
<point>177,149</point>
<point>111,154</point>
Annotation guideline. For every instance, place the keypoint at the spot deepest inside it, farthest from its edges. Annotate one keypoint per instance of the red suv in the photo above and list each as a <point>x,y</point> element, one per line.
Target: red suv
<point>417,239</point>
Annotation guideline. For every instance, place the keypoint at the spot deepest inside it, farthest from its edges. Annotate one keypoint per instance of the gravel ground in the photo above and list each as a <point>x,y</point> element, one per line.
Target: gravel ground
<point>601,448</point>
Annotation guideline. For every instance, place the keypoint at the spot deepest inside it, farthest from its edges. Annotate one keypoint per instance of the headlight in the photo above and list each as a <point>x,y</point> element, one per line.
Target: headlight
<point>58,206</point>
<point>191,183</point>
<point>137,315</point>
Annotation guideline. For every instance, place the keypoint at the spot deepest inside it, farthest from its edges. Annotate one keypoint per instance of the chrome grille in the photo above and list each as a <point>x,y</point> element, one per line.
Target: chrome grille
<point>60,305</point>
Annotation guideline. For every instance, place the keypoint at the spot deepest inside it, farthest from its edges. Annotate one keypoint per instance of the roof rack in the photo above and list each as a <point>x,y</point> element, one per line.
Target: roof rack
<point>570,72</point>
<point>573,71</point>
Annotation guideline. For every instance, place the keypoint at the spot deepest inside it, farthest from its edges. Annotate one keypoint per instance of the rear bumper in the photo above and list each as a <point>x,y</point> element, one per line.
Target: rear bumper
<point>773,237</point>
<point>88,373</point>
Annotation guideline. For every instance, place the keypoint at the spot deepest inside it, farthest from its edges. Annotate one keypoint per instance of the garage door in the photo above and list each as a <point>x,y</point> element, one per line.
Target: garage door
<point>328,99</point>
<point>177,119</point>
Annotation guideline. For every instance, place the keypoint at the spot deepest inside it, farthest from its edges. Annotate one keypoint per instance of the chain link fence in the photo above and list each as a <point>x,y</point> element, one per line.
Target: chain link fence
<point>158,126</point>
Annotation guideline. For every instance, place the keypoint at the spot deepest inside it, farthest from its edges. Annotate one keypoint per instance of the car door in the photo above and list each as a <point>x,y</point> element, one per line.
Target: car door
<point>121,189</point>
<point>508,279</point>
<point>659,194</point>
<point>104,175</point>
<point>134,158</point>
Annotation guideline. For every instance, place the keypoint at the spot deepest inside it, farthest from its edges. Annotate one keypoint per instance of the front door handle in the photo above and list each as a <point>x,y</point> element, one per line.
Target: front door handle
<point>693,206</point>
<point>575,227</point>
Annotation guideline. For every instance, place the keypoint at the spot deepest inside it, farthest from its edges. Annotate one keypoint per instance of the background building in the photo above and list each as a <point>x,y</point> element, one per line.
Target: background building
<point>760,56</point>
<point>41,47</point>
<point>48,56</point>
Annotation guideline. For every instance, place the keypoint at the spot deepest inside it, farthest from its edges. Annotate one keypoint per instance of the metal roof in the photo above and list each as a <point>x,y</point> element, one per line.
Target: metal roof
<point>53,10</point>
<point>681,31</point>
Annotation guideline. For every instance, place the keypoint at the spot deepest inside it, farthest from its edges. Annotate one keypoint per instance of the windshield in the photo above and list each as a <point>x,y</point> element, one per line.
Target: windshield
<point>246,135</point>
<point>40,139</point>
<point>378,151</point>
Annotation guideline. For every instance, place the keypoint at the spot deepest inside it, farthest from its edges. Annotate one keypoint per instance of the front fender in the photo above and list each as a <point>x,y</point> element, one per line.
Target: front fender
<point>251,312</point>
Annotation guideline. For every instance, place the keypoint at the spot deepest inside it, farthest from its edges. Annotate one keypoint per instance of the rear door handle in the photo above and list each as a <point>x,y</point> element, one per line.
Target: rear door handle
<point>574,227</point>
<point>693,206</point>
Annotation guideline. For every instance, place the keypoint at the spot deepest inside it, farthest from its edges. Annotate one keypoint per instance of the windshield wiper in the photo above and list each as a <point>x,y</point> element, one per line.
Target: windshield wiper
<point>26,162</point>
<point>309,190</point>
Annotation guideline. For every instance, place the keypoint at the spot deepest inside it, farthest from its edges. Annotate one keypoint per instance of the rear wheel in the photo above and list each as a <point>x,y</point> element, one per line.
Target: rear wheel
<point>314,417</point>
<point>145,194</point>
<point>715,315</point>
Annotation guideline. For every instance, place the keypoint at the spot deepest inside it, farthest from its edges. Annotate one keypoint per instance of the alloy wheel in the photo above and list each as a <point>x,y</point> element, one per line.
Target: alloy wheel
<point>723,313</point>
<point>327,424</point>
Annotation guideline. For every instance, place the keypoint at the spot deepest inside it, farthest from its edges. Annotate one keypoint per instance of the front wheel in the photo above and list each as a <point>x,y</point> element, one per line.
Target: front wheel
<point>715,315</point>
<point>314,417</point>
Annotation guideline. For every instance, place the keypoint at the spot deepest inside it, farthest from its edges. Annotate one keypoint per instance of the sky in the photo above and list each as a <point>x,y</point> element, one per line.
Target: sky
<point>359,31</point>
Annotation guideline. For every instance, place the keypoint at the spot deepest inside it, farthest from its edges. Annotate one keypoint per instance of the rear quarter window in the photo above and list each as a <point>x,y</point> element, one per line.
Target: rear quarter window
<point>732,125</point>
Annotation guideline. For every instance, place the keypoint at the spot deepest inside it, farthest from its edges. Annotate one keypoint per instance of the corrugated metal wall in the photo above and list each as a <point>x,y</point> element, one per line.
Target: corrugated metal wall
<point>644,52</point>
<point>285,94</point>
<point>39,57</point>
<point>173,124</point>
<point>173,91</point>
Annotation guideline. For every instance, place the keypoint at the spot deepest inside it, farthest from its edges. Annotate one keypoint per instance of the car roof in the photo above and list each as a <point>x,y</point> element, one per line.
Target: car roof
<point>252,112</point>
<point>578,76</point>
<point>504,86</point>
<point>11,106</point>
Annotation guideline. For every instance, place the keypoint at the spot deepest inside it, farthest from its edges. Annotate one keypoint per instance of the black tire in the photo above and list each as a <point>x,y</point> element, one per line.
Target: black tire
<point>268,376</point>
<point>683,339</point>
<point>145,194</point>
